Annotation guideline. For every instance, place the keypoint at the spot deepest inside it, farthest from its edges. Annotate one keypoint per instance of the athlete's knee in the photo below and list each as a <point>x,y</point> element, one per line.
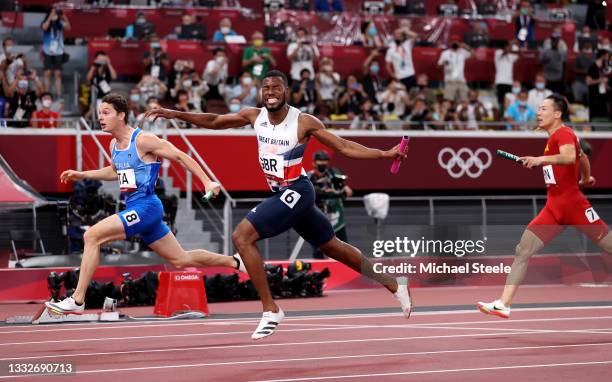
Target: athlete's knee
<point>522,252</point>
<point>91,237</point>
<point>242,236</point>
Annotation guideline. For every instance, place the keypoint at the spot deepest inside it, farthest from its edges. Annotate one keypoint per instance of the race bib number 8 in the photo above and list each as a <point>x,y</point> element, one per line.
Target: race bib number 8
<point>127,180</point>
<point>549,175</point>
<point>591,215</point>
<point>131,217</point>
<point>290,198</point>
<point>272,165</point>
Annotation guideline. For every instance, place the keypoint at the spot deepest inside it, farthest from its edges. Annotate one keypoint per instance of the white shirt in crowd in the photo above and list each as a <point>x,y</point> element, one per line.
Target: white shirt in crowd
<point>455,64</point>
<point>219,77</point>
<point>328,85</point>
<point>401,58</point>
<point>535,97</point>
<point>303,60</point>
<point>504,66</point>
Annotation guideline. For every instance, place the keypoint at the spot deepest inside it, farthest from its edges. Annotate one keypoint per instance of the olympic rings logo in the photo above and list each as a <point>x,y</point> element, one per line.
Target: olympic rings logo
<point>464,161</point>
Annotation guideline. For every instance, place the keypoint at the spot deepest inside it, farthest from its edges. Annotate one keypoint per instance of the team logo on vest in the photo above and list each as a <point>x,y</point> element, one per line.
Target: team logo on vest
<point>464,161</point>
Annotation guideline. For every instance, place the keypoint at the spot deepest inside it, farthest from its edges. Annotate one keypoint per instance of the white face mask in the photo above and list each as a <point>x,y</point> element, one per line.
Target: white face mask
<point>225,30</point>
<point>46,103</point>
<point>220,60</point>
<point>516,90</point>
<point>234,107</point>
<point>247,81</point>
<point>187,83</point>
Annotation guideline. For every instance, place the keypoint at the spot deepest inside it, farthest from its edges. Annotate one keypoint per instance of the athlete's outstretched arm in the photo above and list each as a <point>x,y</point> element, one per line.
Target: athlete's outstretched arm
<point>351,149</point>
<point>567,155</point>
<point>105,173</point>
<point>207,120</point>
<point>160,147</point>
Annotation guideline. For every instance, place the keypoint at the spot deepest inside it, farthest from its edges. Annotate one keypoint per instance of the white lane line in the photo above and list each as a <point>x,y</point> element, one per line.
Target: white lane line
<point>215,347</point>
<point>342,357</point>
<point>439,371</point>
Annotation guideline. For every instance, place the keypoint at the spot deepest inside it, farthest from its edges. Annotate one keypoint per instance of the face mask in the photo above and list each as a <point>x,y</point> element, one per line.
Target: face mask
<point>372,31</point>
<point>327,68</point>
<point>587,52</point>
<point>234,107</point>
<point>321,167</point>
<point>355,86</point>
<point>524,11</point>
<point>516,90</point>
<point>257,43</point>
<point>46,103</point>
<point>225,30</point>
<point>54,18</point>
<point>141,21</point>
<point>22,84</point>
<point>187,83</point>
<point>247,81</point>
<point>135,97</point>
<point>375,69</point>
<point>155,45</point>
<point>220,60</point>
<point>9,50</point>
<point>539,85</point>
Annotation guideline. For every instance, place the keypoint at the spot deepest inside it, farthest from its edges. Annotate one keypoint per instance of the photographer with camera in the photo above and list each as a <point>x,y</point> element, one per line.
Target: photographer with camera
<point>54,56</point>
<point>331,189</point>
<point>100,74</point>
<point>398,58</point>
<point>302,53</point>
<point>156,60</point>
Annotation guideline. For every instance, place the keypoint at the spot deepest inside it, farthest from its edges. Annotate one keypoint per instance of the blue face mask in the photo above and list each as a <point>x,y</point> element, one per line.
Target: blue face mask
<point>234,107</point>
<point>375,69</point>
<point>372,31</point>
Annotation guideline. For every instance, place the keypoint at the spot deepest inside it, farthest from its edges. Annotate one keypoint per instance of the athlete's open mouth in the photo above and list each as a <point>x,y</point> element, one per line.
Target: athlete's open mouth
<point>272,100</point>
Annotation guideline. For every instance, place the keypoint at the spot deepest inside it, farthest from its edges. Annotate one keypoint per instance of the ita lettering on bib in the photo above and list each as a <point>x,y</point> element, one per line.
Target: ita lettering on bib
<point>127,180</point>
<point>272,164</point>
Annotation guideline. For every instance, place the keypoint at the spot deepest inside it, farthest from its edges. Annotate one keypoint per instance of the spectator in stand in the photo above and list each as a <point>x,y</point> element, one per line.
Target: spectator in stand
<point>399,58</point>
<point>18,65</point>
<point>538,94</point>
<point>599,87</point>
<point>453,61</point>
<point>525,25</point>
<point>504,72</point>
<point>22,102</point>
<point>419,114</point>
<point>478,37</point>
<point>329,6</point>
<point>196,89</point>
<point>100,74</point>
<point>585,37</point>
<point>44,117</point>
<point>257,59</point>
<point>225,29</point>
<point>422,90</point>
<point>54,56</point>
<point>183,104</point>
<point>245,91</point>
<point>553,61</point>
<point>445,115</point>
<point>556,36</point>
<point>373,82</point>
<point>510,97</point>
<point>520,113</point>
<point>327,82</point>
<point>151,87</point>
<point>582,63</point>
<point>152,103</point>
<point>367,118</point>
<point>350,100</point>
<point>369,35</point>
<point>303,93</point>
<point>603,43</point>
<point>156,60</point>
<point>472,111</point>
<point>189,29</point>
<point>142,29</point>
<point>215,74</point>
<point>134,105</point>
<point>395,95</point>
<point>302,53</point>
<point>7,53</point>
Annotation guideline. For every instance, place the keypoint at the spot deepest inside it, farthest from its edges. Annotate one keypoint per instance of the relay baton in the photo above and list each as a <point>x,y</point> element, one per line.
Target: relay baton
<point>507,155</point>
<point>209,195</point>
<point>403,147</point>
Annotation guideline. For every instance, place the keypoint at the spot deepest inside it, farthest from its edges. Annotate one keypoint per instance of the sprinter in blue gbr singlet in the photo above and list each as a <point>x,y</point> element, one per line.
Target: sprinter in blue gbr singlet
<point>135,163</point>
<point>282,135</point>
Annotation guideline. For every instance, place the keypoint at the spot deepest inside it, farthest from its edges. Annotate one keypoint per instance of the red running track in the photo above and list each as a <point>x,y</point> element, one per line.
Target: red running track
<point>536,344</point>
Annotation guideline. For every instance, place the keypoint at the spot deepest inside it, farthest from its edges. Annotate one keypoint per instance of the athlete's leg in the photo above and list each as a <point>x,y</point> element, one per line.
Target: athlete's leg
<point>530,243</point>
<point>58,83</point>
<point>108,229</point>
<point>354,259</point>
<point>170,249</point>
<point>245,237</point>
<point>606,243</point>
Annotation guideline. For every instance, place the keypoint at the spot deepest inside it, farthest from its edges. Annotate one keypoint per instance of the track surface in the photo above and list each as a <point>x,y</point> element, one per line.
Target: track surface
<point>560,333</point>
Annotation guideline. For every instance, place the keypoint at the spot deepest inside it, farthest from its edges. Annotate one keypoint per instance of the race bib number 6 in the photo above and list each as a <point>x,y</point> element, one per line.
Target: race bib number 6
<point>290,198</point>
<point>549,175</point>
